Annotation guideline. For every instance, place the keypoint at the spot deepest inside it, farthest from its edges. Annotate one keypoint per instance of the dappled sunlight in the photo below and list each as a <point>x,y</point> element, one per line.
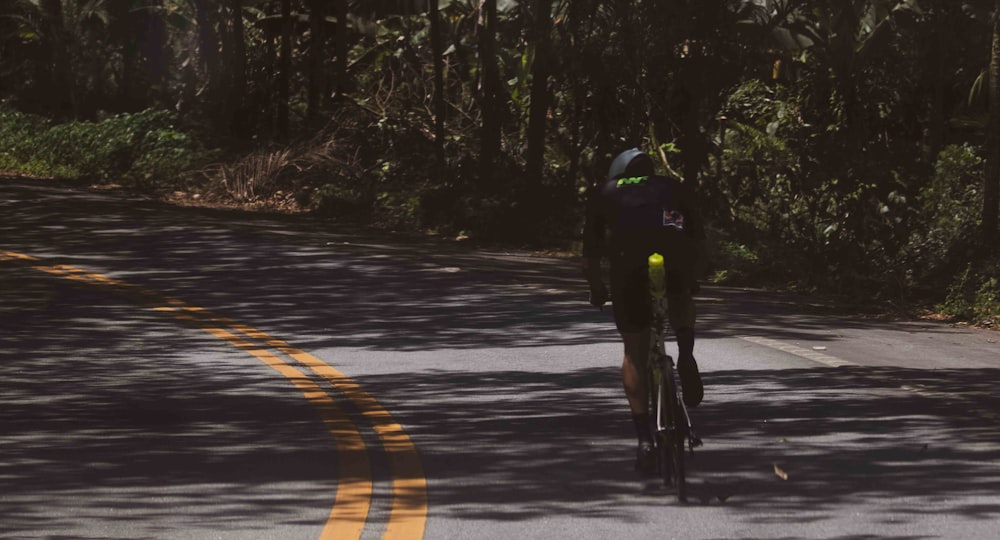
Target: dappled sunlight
<point>116,414</point>
<point>120,419</point>
<point>560,443</point>
<point>354,290</point>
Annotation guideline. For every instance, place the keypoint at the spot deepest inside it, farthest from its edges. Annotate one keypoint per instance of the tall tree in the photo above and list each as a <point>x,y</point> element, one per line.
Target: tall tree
<point>126,32</point>
<point>489,90</point>
<point>991,185</point>
<point>340,43</point>
<point>317,45</point>
<point>154,43</point>
<point>540,93</point>
<point>284,69</point>
<point>208,50</point>
<point>238,86</point>
<point>439,105</point>
<point>61,85</point>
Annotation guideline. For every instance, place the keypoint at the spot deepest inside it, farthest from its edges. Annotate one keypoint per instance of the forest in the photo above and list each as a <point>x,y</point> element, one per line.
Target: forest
<point>842,147</point>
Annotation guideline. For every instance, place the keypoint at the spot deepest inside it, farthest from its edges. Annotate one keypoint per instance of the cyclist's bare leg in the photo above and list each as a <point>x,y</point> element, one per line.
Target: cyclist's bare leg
<point>681,310</point>
<point>633,369</point>
<point>682,318</point>
<point>634,381</point>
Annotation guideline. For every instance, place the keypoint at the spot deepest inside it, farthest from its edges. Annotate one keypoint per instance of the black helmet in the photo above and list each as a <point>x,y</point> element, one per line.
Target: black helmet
<point>632,162</point>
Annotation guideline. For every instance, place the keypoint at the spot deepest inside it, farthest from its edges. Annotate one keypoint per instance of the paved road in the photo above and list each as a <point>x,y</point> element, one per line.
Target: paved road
<point>173,373</point>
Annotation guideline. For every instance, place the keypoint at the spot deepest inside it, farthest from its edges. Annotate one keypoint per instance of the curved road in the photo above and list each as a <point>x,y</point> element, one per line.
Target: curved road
<point>172,373</point>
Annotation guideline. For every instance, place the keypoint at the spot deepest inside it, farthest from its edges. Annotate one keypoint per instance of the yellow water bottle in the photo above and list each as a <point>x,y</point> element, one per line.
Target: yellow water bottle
<point>657,276</point>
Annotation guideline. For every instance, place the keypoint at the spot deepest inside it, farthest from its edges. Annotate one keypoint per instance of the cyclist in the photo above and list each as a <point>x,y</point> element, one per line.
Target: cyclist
<point>630,215</point>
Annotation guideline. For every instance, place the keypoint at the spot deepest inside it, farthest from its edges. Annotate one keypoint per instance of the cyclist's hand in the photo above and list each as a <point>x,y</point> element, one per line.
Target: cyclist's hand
<point>598,294</point>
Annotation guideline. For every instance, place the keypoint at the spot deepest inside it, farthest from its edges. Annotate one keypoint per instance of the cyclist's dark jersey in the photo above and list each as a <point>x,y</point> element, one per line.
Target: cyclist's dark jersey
<point>627,220</point>
<point>630,218</point>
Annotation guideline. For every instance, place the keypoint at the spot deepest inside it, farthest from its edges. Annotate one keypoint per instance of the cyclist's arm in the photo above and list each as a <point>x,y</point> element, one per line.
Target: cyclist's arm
<point>593,248</point>
<point>593,237</point>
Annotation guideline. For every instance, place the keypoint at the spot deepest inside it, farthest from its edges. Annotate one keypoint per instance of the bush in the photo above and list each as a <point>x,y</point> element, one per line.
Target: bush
<point>762,198</point>
<point>948,217</point>
<point>375,171</point>
<point>975,295</point>
<point>731,262</point>
<point>127,148</point>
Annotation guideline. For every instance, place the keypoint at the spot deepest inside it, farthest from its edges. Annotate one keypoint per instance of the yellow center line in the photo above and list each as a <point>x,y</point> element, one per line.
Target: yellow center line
<point>408,515</point>
<point>347,518</point>
<point>353,501</point>
<point>20,256</point>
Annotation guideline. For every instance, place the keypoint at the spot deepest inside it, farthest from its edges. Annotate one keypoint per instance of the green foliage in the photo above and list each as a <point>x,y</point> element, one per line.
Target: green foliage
<point>818,175</point>
<point>761,185</point>
<point>378,179</point>
<point>975,295</point>
<point>731,262</point>
<point>947,217</point>
<point>20,145</point>
<point>127,148</point>
<point>339,200</point>
<point>833,143</point>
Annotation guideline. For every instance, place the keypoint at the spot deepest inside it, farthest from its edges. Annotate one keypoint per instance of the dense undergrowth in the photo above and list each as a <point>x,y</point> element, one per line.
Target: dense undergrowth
<point>139,149</point>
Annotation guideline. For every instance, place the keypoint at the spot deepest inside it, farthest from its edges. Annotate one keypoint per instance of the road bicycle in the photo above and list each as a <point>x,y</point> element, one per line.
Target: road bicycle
<point>671,423</point>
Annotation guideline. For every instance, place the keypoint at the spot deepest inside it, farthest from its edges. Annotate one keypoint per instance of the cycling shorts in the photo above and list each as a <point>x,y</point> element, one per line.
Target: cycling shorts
<point>631,302</point>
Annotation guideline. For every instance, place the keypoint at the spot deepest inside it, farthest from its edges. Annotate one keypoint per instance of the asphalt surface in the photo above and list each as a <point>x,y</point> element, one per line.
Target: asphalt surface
<point>131,405</point>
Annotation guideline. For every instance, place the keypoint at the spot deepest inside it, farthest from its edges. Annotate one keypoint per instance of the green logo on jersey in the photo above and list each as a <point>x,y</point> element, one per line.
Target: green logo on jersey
<point>630,181</point>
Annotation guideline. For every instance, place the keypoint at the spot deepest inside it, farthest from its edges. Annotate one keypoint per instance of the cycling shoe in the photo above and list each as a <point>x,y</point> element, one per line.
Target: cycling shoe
<point>691,386</point>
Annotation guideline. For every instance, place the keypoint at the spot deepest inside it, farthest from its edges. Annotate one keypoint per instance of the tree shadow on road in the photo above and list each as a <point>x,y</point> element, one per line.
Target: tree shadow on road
<point>297,279</point>
<point>517,445</point>
<point>499,445</point>
<point>117,422</point>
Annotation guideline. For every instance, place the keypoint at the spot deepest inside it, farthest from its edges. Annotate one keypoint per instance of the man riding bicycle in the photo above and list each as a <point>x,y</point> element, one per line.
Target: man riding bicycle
<point>630,215</point>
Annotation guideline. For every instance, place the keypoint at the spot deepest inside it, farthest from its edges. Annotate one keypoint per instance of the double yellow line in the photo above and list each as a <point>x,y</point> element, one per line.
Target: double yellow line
<point>408,512</point>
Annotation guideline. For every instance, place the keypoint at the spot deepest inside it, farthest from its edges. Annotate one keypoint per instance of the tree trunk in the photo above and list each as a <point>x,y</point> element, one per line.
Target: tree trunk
<point>940,66</point>
<point>208,48</point>
<point>340,63</point>
<point>155,43</point>
<point>63,96</point>
<point>130,32</point>
<point>439,105</point>
<point>263,99</point>
<point>632,45</point>
<point>239,124</point>
<point>127,87</point>
<point>208,41</point>
<point>991,186</point>
<point>317,45</point>
<point>540,95</point>
<point>285,70</point>
<point>223,109</point>
<point>490,84</point>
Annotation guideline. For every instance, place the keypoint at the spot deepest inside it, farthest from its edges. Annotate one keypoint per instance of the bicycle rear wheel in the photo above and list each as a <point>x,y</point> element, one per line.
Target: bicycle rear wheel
<point>672,438</point>
<point>658,419</point>
<point>677,453</point>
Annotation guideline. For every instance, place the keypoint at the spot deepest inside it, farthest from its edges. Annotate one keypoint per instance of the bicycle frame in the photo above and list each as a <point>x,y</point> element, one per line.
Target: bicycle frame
<point>663,361</point>
<point>662,364</point>
<point>672,423</point>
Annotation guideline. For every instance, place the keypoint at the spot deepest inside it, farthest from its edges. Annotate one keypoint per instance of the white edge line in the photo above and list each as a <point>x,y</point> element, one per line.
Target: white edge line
<point>818,357</point>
